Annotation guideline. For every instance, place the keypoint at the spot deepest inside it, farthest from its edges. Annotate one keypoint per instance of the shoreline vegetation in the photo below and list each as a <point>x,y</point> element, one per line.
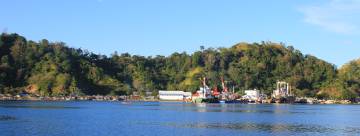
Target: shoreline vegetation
<point>8,97</point>
<point>52,69</point>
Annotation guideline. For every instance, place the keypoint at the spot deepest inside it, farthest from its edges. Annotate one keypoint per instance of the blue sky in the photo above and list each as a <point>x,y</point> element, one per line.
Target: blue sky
<point>328,29</point>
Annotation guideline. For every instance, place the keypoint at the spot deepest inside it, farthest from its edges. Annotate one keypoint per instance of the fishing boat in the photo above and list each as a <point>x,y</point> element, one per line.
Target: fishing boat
<point>204,94</point>
<point>228,97</point>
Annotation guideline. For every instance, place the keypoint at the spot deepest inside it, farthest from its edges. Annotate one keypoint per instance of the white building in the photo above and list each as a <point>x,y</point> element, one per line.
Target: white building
<point>173,95</point>
<point>187,95</point>
<point>252,95</point>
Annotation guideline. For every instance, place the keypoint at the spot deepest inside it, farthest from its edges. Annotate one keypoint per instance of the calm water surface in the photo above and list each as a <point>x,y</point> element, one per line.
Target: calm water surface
<point>89,118</point>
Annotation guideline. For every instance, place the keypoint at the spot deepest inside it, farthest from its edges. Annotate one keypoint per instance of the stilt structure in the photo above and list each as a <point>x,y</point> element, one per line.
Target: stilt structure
<point>283,93</point>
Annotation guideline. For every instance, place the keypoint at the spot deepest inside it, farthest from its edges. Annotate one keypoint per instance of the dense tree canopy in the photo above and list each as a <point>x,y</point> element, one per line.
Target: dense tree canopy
<point>52,68</point>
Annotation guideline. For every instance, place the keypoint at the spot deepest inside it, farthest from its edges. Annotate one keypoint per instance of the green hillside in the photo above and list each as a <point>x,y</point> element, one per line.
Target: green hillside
<point>52,69</point>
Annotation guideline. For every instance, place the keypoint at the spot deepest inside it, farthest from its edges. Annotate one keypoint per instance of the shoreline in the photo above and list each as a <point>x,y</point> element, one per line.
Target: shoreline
<point>117,99</point>
<point>131,98</point>
<point>62,98</point>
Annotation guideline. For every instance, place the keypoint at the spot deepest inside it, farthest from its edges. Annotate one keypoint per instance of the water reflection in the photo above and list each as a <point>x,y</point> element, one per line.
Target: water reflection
<point>37,107</point>
<point>6,117</point>
<point>203,107</point>
<point>263,127</point>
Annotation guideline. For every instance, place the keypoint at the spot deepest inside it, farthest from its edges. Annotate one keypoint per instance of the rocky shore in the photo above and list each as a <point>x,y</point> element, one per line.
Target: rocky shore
<point>319,101</point>
<point>8,97</point>
<point>62,98</point>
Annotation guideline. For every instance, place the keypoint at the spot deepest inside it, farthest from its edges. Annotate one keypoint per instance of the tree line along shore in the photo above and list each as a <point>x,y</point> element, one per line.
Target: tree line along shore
<point>52,69</point>
<point>8,97</point>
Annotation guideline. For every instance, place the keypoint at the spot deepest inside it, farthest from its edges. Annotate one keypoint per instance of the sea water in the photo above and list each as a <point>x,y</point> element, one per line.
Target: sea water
<point>92,118</point>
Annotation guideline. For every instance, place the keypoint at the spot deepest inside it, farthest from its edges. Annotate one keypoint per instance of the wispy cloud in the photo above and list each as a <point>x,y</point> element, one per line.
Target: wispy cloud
<point>341,16</point>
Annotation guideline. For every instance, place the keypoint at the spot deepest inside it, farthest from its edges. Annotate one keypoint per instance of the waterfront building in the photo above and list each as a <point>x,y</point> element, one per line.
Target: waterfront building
<point>252,95</point>
<point>173,95</point>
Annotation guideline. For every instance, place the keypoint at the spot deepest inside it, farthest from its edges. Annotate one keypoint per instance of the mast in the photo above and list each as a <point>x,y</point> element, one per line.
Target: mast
<point>287,89</point>
<point>204,87</point>
<point>225,89</point>
<point>233,89</point>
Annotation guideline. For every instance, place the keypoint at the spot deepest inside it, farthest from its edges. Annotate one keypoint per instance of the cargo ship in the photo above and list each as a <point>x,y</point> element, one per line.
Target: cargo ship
<point>205,94</point>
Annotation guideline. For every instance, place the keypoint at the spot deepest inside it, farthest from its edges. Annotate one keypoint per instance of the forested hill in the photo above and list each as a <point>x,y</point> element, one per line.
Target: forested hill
<point>52,68</point>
